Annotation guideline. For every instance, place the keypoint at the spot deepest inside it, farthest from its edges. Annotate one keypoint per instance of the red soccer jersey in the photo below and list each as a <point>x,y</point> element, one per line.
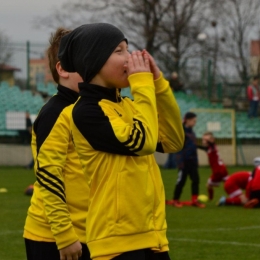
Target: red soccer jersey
<point>236,183</point>
<point>254,184</point>
<point>239,179</point>
<point>216,164</point>
<point>253,92</point>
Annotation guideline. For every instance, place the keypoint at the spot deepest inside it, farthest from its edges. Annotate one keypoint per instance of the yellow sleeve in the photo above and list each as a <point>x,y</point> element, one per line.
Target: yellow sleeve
<point>145,117</point>
<point>171,134</point>
<point>131,131</point>
<point>50,143</point>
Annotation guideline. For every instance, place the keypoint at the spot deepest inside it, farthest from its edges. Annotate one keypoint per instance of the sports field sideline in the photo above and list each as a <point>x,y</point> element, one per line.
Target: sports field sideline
<point>213,233</point>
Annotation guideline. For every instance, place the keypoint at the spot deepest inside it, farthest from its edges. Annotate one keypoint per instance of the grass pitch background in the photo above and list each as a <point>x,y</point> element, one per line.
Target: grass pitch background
<point>213,233</point>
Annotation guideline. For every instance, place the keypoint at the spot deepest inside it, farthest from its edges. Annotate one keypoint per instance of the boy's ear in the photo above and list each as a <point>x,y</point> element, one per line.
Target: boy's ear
<point>62,73</point>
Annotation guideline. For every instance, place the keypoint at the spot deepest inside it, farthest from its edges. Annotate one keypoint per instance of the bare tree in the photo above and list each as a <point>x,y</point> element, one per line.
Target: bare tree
<point>169,30</point>
<point>185,20</point>
<point>256,69</point>
<point>139,19</point>
<point>73,14</point>
<point>166,28</point>
<point>5,51</point>
<point>237,21</point>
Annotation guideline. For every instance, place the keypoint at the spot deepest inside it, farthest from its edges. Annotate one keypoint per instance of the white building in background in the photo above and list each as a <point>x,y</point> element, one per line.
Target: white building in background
<point>255,57</point>
<point>40,71</point>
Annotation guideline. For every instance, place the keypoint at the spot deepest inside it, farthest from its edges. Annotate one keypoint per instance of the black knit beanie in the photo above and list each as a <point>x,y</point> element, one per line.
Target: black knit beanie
<point>87,48</point>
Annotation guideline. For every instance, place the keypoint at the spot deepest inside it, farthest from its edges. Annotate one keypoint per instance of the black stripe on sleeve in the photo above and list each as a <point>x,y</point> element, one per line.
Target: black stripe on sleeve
<point>136,140</point>
<point>51,176</point>
<point>143,138</point>
<point>131,136</point>
<point>40,176</point>
<point>139,132</point>
<point>95,126</point>
<point>51,190</point>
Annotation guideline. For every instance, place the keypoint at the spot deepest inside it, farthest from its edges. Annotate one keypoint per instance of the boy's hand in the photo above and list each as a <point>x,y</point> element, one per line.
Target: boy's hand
<point>137,63</point>
<point>153,66</point>
<point>71,252</point>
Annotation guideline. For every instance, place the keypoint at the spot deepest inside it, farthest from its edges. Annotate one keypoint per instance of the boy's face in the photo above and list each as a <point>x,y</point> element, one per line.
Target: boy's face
<point>113,74</point>
<point>191,122</point>
<point>256,82</point>
<point>207,138</point>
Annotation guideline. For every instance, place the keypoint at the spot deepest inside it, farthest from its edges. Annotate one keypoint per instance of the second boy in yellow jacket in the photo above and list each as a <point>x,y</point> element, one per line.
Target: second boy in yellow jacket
<point>55,223</point>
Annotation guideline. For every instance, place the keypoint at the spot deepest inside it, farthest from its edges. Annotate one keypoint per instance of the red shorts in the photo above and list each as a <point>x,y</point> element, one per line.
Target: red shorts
<point>217,177</point>
<point>232,189</point>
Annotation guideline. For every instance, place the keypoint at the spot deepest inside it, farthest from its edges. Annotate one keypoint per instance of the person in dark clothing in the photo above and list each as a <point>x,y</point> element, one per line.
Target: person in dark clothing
<point>28,123</point>
<point>187,163</point>
<point>28,136</point>
<point>253,94</point>
<point>175,83</point>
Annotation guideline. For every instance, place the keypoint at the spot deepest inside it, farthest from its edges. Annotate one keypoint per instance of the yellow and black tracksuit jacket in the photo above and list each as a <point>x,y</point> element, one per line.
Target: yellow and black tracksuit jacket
<point>59,203</point>
<point>116,139</point>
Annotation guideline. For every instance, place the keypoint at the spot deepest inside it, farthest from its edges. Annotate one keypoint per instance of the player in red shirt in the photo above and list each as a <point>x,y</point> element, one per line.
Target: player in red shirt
<point>253,187</point>
<point>234,187</point>
<point>243,181</point>
<point>253,94</point>
<point>219,170</point>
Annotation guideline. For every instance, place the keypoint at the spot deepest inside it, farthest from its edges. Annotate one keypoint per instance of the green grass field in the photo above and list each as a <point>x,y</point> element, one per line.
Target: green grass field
<point>213,233</point>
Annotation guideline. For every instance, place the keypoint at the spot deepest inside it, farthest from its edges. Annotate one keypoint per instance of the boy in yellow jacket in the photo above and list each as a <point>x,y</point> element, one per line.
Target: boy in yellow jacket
<point>116,139</point>
<point>55,223</point>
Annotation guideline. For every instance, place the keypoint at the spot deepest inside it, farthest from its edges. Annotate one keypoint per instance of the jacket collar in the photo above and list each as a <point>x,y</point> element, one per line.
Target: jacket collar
<point>70,95</point>
<point>98,92</point>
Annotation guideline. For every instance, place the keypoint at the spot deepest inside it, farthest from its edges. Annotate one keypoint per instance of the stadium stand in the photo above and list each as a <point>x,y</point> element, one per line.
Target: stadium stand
<point>245,128</point>
<point>14,99</point>
<point>49,89</point>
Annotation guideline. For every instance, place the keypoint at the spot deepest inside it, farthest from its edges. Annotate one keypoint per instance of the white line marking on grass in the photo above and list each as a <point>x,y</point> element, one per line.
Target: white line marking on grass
<point>234,243</point>
<point>6,232</point>
<point>213,229</point>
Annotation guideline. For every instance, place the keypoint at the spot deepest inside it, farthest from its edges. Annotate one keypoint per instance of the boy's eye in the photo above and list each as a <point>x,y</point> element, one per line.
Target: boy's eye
<point>118,50</point>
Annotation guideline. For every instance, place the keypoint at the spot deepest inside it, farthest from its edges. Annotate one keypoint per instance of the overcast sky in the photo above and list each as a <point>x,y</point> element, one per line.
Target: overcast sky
<point>16,18</point>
